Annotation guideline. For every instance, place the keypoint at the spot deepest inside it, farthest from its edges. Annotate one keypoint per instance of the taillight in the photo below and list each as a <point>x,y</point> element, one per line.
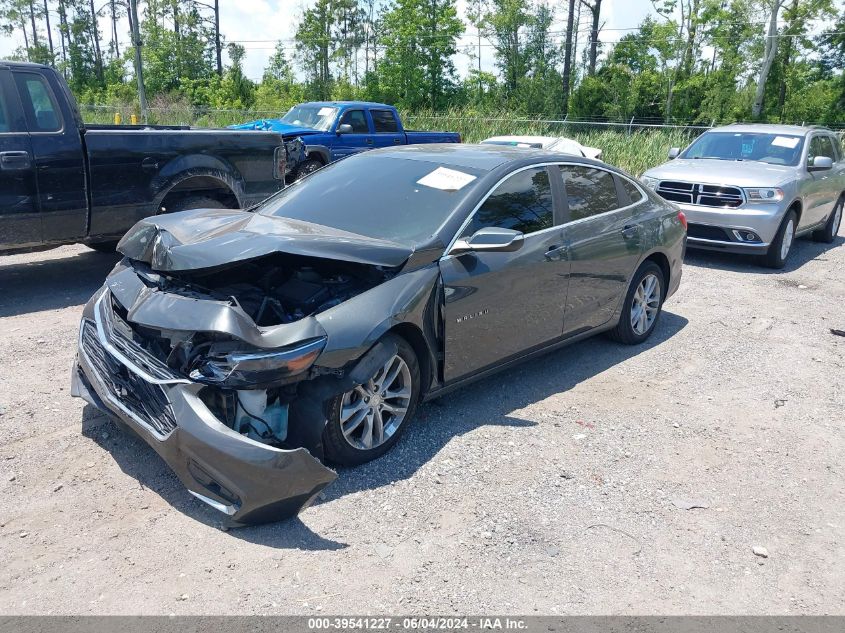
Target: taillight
<point>280,163</point>
<point>683,219</point>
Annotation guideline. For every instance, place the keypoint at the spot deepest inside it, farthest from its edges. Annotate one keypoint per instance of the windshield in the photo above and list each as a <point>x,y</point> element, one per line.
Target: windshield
<point>313,116</point>
<point>775,149</point>
<point>377,196</point>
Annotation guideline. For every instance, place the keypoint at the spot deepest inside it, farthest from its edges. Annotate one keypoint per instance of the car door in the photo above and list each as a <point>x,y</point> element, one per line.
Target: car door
<point>20,222</point>
<point>386,128</point>
<point>821,188</point>
<point>358,140</point>
<point>604,243</point>
<point>498,305</point>
<point>58,159</point>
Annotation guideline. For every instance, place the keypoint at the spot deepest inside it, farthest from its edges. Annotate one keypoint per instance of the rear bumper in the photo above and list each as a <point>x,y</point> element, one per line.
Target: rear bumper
<point>247,481</point>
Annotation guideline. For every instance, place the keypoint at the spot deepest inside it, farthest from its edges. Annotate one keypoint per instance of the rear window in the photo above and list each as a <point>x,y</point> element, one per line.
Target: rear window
<point>40,107</point>
<point>384,121</point>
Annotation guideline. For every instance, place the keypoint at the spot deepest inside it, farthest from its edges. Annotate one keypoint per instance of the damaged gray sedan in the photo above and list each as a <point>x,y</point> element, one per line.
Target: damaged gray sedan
<point>250,348</point>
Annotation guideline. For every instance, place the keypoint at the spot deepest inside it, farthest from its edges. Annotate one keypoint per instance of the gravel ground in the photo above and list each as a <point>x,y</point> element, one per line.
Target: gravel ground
<point>560,487</point>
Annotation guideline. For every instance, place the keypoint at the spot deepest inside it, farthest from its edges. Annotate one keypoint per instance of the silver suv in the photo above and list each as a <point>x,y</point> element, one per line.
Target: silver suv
<point>755,188</point>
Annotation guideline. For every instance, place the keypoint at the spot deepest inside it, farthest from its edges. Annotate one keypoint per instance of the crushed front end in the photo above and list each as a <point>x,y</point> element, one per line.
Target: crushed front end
<point>221,379</point>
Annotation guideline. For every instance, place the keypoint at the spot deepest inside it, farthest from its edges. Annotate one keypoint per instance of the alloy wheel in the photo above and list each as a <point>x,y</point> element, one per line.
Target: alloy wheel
<point>837,218</point>
<point>646,304</point>
<point>788,236</point>
<point>371,413</point>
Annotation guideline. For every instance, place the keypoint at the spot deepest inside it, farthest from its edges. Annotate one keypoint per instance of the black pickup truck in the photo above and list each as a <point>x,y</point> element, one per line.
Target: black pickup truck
<point>63,182</point>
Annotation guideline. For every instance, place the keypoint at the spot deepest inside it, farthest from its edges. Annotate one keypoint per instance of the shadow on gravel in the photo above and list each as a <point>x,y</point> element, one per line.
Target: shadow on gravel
<point>490,402</point>
<point>803,250</point>
<point>50,284</point>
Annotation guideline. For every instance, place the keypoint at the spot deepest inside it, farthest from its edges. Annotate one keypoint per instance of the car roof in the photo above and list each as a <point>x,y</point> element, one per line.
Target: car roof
<point>6,62</point>
<point>335,104</point>
<point>478,156</point>
<point>767,128</point>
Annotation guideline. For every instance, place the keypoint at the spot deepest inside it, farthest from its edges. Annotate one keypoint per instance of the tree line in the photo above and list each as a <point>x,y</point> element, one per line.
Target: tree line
<point>691,61</point>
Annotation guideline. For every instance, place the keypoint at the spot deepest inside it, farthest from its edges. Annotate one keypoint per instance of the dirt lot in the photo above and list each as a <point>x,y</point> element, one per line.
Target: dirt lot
<point>558,487</point>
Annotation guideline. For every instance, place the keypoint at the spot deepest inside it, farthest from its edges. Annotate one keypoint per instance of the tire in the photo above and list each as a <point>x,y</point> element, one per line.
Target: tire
<point>104,247</point>
<point>781,246</point>
<point>194,202</point>
<point>350,449</point>
<point>308,166</point>
<point>830,230</point>
<point>626,331</point>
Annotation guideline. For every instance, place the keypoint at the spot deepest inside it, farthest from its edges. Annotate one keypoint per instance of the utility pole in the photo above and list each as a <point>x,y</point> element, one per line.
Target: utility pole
<point>139,71</point>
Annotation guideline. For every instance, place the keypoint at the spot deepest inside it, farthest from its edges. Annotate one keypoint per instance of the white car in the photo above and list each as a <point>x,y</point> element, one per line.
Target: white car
<point>556,143</point>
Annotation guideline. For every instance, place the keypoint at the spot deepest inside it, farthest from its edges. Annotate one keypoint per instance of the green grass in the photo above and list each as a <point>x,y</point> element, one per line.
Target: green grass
<point>633,150</point>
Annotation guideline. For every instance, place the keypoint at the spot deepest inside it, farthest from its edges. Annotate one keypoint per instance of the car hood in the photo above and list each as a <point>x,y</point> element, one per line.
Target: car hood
<point>276,125</point>
<point>208,238</point>
<point>722,172</point>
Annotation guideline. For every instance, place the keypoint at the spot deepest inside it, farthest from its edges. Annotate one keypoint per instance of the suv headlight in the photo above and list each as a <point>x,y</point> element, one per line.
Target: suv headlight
<point>764,194</point>
<point>255,368</point>
<point>650,182</point>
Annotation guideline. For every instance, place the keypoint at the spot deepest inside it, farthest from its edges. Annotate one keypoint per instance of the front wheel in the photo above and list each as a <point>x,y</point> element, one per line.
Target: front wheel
<point>781,246</point>
<point>642,307</point>
<point>366,422</point>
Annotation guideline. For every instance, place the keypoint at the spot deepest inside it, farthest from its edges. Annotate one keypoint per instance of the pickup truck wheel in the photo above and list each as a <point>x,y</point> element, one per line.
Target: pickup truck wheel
<point>642,307</point>
<point>781,246</point>
<point>307,167</point>
<point>104,247</point>
<point>831,229</point>
<point>193,202</point>
<point>366,422</point>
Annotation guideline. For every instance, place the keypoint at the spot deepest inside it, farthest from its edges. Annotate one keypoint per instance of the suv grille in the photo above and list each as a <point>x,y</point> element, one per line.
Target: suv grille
<point>704,195</point>
<point>705,232</point>
<point>145,401</point>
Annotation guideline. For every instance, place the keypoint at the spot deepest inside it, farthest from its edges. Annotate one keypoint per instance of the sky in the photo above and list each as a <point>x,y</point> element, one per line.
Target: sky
<point>258,24</point>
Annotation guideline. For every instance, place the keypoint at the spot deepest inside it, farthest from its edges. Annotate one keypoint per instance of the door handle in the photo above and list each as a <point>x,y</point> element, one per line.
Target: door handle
<point>149,164</point>
<point>369,141</point>
<point>397,141</point>
<point>15,161</point>
<point>630,231</point>
<point>555,251</point>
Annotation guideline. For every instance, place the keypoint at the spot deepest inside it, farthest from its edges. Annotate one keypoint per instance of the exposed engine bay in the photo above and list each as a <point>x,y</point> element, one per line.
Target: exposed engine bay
<point>279,288</point>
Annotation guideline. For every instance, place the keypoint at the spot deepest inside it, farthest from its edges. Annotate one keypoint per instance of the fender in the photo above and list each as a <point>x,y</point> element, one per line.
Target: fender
<point>319,151</point>
<point>229,177</point>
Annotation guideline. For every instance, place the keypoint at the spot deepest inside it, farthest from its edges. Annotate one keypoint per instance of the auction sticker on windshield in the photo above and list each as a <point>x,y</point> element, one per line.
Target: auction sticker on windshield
<point>785,141</point>
<point>446,179</point>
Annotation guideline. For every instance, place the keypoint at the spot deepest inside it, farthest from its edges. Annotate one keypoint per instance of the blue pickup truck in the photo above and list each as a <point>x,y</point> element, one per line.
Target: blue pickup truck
<point>335,129</point>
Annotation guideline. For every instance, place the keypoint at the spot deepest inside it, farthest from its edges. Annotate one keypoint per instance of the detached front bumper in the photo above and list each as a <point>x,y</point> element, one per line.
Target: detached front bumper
<point>727,229</point>
<point>247,481</point>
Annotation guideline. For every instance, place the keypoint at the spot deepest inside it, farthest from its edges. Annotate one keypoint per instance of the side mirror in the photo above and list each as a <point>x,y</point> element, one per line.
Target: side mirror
<point>489,239</point>
<point>344,128</point>
<point>673,153</point>
<point>821,163</point>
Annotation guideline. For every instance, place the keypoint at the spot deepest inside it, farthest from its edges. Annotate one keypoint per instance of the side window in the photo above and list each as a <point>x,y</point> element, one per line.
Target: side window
<point>384,121</point>
<point>634,194</point>
<point>820,146</point>
<point>357,119</point>
<point>40,107</point>
<point>5,115</point>
<point>522,203</point>
<point>589,191</point>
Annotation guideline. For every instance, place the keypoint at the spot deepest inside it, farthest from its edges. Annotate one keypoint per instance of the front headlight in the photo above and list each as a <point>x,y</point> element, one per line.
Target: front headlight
<point>764,194</point>
<point>650,182</point>
<point>237,370</point>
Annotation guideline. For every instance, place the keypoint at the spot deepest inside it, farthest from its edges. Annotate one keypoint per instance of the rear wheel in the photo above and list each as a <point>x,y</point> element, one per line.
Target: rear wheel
<point>831,229</point>
<point>781,246</point>
<point>193,202</point>
<point>642,307</point>
<point>366,422</point>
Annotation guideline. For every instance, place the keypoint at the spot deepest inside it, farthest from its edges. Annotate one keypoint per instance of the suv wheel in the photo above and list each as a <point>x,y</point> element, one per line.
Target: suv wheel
<point>366,422</point>
<point>781,246</point>
<point>830,230</point>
